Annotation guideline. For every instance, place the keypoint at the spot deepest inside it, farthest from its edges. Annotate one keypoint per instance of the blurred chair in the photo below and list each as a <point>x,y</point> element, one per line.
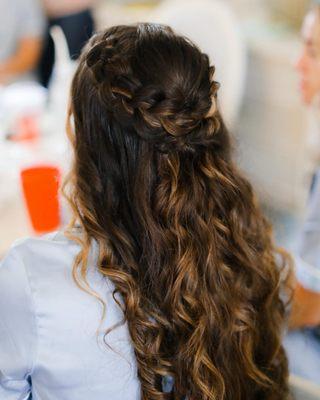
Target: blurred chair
<point>302,389</point>
<point>212,25</point>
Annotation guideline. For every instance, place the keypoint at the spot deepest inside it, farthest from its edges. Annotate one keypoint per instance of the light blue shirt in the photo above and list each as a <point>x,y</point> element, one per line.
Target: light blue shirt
<point>308,253</point>
<point>51,344</point>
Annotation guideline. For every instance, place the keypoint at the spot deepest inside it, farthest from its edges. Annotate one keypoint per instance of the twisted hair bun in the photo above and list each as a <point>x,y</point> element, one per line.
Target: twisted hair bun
<point>165,110</point>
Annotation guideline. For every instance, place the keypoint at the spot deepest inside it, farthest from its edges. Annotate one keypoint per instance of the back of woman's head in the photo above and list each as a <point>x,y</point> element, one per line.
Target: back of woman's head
<point>179,232</point>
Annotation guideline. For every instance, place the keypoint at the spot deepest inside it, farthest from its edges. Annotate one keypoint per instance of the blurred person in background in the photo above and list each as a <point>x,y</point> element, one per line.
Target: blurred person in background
<point>303,343</point>
<point>167,239</point>
<point>21,31</point>
<point>76,21</point>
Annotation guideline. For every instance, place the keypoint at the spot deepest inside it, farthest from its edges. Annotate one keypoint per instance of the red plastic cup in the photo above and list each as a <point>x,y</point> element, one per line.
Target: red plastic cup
<point>40,186</point>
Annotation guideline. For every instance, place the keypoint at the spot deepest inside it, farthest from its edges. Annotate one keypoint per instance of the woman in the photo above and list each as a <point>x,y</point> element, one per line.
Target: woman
<point>303,343</point>
<point>167,244</point>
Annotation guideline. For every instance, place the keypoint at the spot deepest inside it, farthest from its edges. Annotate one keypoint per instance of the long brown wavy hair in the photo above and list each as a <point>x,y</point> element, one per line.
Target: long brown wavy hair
<point>178,227</point>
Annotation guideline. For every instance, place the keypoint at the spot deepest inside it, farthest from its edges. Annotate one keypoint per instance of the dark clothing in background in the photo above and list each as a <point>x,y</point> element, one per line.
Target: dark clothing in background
<point>77,28</point>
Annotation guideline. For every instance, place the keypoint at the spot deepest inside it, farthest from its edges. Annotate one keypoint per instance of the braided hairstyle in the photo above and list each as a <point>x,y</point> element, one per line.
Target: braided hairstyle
<point>179,231</point>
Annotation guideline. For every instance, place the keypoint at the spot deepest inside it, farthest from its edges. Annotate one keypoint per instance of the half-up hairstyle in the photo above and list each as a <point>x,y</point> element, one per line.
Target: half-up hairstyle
<point>179,231</point>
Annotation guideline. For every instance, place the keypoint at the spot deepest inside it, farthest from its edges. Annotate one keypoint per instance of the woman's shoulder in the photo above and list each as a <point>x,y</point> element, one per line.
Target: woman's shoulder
<point>43,249</point>
<point>31,260</point>
<point>33,270</point>
<point>53,240</point>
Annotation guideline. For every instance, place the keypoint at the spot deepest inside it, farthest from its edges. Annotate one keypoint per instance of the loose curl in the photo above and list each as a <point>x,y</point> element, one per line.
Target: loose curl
<point>179,231</point>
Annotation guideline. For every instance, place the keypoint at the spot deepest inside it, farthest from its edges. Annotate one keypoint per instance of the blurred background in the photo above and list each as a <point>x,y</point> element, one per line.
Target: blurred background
<point>254,45</point>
